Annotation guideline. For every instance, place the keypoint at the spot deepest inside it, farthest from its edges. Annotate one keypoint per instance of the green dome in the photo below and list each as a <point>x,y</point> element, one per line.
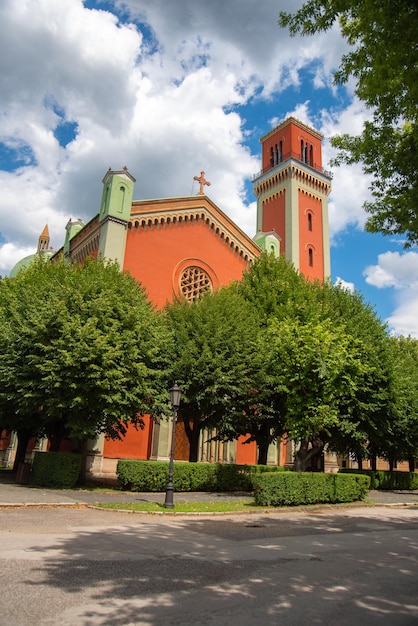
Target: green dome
<point>20,265</point>
<point>26,261</point>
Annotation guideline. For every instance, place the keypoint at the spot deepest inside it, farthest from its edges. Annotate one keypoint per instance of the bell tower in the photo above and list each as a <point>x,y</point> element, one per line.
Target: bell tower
<point>292,197</point>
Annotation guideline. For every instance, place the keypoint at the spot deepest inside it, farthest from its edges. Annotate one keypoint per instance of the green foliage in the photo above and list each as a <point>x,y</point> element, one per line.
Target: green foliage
<point>380,479</point>
<point>81,350</point>
<point>365,415</point>
<point>402,444</point>
<point>383,60</point>
<point>58,470</point>
<point>325,371</point>
<point>313,364</point>
<point>322,374</point>
<point>152,476</point>
<point>213,358</point>
<point>296,488</point>
<point>276,289</point>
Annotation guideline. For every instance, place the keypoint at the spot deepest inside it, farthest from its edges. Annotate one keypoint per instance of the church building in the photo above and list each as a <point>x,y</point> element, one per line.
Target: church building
<point>184,246</point>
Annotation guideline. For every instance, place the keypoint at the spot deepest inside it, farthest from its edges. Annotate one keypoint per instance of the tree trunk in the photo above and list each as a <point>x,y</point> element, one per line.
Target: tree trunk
<point>192,434</point>
<point>411,462</point>
<point>391,465</point>
<point>263,448</point>
<point>194,445</point>
<point>263,441</point>
<point>24,435</point>
<point>304,454</point>
<point>374,462</point>
<point>360,462</point>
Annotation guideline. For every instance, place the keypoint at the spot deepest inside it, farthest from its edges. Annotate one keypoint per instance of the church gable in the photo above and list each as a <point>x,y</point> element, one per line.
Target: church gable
<point>184,246</point>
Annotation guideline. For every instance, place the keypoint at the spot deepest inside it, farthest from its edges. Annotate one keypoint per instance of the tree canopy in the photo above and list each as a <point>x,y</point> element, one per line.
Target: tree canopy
<point>315,365</point>
<point>83,352</point>
<point>80,351</point>
<point>383,60</point>
<point>326,377</point>
<point>402,442</point>
<point>213,358</point>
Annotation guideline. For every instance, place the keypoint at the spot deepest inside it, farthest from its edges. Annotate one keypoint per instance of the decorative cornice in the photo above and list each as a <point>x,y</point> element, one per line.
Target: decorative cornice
<point>123,172</point>
<point>187,211</point>
<point>277,177</point>
<point>116,220</point>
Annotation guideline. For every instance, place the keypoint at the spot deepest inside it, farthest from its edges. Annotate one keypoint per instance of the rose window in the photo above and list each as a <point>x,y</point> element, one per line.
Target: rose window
<point>194,282</point>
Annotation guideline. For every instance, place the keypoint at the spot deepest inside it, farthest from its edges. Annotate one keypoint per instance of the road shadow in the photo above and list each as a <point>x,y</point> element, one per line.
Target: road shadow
<point>292,569</point>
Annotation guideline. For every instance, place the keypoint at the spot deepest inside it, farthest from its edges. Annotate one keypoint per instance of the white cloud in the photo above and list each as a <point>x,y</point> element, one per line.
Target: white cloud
<point>394,270</point>
<point>348,286</point>
<point>403,320</point>
<point>10,254</point>
<point>350,186</point>
<point>398,271</point>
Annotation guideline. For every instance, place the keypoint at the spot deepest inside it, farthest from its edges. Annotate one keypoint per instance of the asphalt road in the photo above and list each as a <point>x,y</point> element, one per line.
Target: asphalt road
<point>343,565</point>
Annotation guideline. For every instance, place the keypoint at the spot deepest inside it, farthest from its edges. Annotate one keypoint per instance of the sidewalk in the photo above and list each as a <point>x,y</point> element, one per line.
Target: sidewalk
<point>13,494</point>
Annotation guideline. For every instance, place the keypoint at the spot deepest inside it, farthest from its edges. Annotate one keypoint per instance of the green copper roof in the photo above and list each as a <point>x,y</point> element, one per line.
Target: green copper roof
<point>26,261</point>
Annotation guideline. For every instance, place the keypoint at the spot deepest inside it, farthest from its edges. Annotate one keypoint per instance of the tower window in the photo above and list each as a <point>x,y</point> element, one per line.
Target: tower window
<point>121,199</point>
<point>310,257</point>
<point>309,221</point>
<point>306,152</point>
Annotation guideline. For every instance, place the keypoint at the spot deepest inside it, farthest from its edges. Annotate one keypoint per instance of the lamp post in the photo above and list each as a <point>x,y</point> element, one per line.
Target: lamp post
<point>175,396</point>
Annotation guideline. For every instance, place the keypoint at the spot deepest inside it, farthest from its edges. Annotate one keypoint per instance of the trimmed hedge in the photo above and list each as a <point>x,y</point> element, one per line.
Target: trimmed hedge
<point>294,488</point>
<point>56,469</point>
<point>152,476</point>
<point>385,480</point>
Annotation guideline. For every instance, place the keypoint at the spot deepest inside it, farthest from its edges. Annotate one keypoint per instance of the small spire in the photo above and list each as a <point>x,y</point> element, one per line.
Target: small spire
<point>43,241</point>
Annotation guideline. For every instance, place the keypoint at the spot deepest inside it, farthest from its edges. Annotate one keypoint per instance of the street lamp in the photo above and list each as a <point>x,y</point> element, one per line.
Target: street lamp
<point>175,396</point>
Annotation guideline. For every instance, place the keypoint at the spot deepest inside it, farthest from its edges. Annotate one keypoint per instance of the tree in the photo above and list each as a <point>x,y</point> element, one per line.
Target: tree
<point>80,351</point>
<point>276,289</point>
<point>402,445</point>
<point>314,364</point>
<point>279,293</point>
<point>213,357</point>
<point>383,60</point>
<point>364,418</point>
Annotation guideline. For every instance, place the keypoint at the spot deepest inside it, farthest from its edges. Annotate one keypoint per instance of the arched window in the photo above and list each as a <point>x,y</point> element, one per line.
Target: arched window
<point>121,199</point>
<point>304,151</point>
<point>310,257</point>
<point>309,220</point>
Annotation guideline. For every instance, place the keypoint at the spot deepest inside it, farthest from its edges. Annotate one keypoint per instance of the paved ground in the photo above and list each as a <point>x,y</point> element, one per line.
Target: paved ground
<point>63,565</point>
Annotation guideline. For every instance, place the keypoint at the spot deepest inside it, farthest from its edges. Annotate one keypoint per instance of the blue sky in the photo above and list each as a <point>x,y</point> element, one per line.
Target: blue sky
<point>170,89</point>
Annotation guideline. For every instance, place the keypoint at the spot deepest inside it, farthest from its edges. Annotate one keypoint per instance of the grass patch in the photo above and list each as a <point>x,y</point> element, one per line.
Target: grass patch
<point>182,507</point>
